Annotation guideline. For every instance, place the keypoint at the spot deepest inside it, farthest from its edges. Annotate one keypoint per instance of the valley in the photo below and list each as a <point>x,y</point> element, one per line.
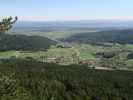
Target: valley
<point>66,63</point>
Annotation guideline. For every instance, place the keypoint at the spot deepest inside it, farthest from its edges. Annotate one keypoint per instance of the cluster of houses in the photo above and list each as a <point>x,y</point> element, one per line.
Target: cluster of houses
<point>89,62</point>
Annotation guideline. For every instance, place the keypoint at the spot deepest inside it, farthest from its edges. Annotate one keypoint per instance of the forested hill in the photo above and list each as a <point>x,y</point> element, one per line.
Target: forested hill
<point>23,42</point>
<point>113,36</point>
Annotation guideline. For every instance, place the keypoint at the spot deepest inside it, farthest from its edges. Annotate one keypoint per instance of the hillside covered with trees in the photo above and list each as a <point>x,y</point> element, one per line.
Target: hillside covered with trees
<point>112,36</point>
<point>23,42</point>
<point>30,80</point>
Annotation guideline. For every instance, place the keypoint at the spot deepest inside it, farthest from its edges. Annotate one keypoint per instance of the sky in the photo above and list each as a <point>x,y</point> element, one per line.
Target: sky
<point>54,10</point>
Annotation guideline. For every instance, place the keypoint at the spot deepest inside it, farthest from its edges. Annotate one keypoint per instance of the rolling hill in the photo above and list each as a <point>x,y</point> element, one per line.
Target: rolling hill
<point>112,36</point>
<point>23,42</point>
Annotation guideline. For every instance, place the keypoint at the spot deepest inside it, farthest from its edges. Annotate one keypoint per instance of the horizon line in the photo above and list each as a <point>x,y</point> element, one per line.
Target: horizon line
<point>66,20</point>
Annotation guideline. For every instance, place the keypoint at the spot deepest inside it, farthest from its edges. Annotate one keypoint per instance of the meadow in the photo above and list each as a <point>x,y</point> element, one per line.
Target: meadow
<point>119,55</point>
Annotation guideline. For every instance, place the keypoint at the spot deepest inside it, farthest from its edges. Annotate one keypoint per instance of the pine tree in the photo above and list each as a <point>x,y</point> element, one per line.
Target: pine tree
<point>6,24</point>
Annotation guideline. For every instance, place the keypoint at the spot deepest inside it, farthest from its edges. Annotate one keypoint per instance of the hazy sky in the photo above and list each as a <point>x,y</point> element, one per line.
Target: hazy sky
<point>67,9</point>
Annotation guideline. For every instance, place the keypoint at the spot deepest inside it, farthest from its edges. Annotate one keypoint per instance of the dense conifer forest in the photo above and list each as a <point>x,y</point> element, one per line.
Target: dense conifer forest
<point>30,80</point>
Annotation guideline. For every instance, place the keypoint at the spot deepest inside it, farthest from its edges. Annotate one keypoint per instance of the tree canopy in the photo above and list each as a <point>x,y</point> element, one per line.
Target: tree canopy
<point>7,23</point>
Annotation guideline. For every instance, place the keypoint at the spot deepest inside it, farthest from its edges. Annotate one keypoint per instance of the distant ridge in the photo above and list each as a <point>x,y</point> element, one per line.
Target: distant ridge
<point>112,36</point>
<point>23,42</point>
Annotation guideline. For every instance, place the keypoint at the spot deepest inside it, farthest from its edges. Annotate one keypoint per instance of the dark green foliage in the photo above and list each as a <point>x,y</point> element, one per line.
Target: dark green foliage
<point>23,42</point>
<point>31,80</point>
<point>106,54</point>
<point>113,36</point>
<point>130,55</point>
<point>6,24</point>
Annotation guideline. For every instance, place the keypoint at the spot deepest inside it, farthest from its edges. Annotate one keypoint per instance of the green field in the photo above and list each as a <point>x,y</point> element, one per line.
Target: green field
<point>51,53</point>
<point>79,51</point>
